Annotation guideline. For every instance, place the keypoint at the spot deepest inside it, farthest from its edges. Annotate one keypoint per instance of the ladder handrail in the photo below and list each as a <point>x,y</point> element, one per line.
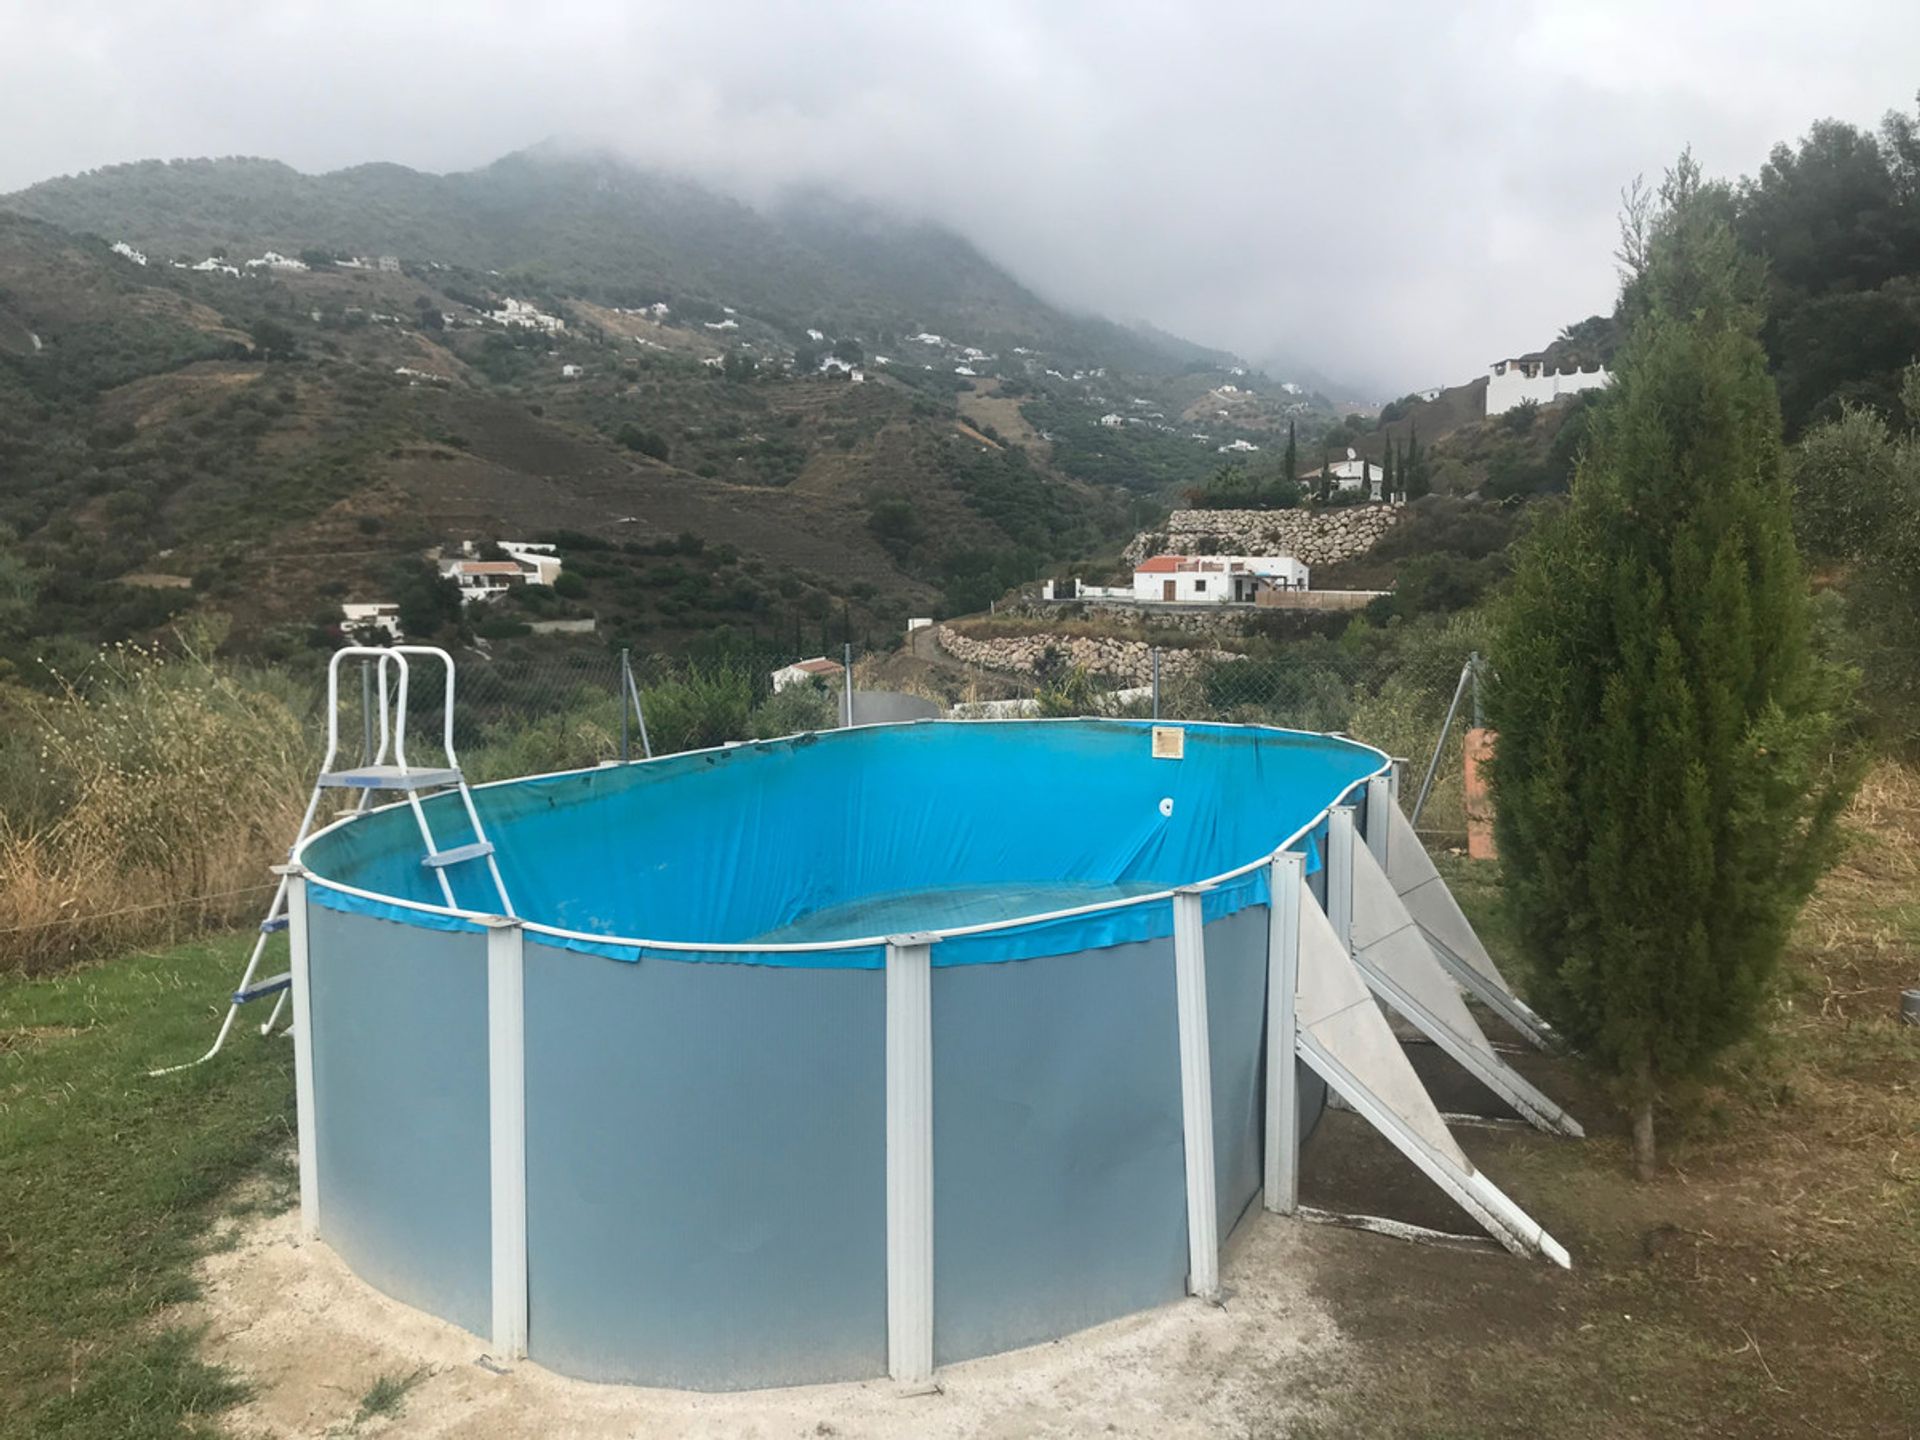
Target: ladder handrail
<point>434,652</point>
<point>393,714</point>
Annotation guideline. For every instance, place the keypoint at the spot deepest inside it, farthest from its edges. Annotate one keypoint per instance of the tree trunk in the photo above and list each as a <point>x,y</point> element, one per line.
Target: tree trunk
<point>1644,1166</point>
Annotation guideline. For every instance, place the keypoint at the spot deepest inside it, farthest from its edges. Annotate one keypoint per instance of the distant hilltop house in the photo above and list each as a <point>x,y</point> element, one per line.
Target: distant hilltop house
<point>1351,475</point>
<point>527,563</point>
<point>519,312</point>
<point>127,252</point>
<point>1113,421</point>
<point>212,266</point>
<point>570,372</point>
<point>274,260</point>
<point>819,668</point>
<point>1511,383</point>
<point>388,263</point>
<point>360,617</point>
<point>1236,447</point>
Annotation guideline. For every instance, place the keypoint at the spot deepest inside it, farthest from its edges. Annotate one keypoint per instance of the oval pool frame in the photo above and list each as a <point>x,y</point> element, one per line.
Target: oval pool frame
<point>691,1162</point>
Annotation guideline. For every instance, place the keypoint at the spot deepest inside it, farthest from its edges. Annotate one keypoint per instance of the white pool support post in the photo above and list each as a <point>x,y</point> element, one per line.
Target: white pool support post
<point>1196,1090</point>
<point>507,1131</point>
<point>1340,872</point>
<point>300,989</point>
<point>1379,802</point>
<point>1281,1190</point>
<point>910,1159</point>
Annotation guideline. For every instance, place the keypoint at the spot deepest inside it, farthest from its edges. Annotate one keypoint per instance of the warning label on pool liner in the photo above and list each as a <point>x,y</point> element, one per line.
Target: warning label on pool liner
<point>1169,742</point>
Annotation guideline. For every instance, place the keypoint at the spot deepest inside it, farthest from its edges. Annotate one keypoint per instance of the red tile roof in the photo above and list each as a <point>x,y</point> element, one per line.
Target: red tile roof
<point>817,667</point>
<point>1161,564</point>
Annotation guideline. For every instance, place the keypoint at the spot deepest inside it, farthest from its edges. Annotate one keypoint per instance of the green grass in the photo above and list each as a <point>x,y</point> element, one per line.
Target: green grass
<point>109,1181</point>
<point>387,1395</point>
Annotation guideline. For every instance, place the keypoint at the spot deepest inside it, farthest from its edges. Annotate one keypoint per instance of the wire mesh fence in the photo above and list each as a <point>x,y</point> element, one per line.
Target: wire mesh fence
<point>111,831</point>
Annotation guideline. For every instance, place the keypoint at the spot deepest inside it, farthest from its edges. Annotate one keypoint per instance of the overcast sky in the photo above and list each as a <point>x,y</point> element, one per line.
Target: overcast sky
<point>1394,193</point>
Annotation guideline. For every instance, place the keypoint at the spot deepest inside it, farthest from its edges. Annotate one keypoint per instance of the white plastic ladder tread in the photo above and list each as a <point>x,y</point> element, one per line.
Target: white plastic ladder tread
<point>388,777</point>
<point>269,986</point>
<point>479,850</point>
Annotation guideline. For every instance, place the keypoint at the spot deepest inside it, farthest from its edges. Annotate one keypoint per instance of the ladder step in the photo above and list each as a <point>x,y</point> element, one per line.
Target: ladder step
<point>273,926</point>
<point>388,777</point>
<point>440,859</point>
<point>269,986</point>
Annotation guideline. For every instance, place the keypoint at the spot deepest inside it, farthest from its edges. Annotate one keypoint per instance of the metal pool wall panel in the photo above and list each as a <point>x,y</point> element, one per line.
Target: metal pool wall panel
<point>1058,1168</point>
<point>401,1131</point>
<point>706,1171</point>
<point>1236,1028</point>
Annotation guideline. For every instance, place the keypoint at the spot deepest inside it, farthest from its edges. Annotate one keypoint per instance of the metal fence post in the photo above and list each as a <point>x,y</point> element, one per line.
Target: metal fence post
<point>626,672</point>
<point>1479,711</point>
<point>1282,1185</point>
<point>1446,728</point>
<point>1196,1091</point>
<point>909,1052</point>
<point>1156,682</point>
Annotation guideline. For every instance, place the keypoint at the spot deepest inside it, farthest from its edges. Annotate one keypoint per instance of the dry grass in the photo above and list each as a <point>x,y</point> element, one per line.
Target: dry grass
<point>1766,1284</point>
<point>143,801</point>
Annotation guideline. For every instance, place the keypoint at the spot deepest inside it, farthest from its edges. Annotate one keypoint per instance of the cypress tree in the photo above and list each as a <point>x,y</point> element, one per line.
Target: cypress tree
<point>1413,475</point>
<point>1293,457</point>
<point>1386,472</point>
<point>1668,777</point>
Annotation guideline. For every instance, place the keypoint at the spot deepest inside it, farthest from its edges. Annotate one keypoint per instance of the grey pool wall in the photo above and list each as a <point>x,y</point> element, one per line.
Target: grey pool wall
<point>696,1192</point>
<point>705,1145</point>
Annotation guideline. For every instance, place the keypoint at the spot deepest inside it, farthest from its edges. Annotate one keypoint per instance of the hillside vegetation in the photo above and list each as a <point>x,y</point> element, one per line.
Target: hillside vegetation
<point>558,347</point>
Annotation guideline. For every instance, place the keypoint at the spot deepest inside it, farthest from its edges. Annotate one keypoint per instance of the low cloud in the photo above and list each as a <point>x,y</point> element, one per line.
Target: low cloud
<point>1391,194</point>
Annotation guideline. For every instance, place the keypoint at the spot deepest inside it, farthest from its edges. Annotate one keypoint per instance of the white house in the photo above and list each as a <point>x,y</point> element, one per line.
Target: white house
<point>1353,473</point>
<point>826,671</point>
<point>212,266</point>
<point>483,579</point>
<point>816,335</point>
<point>541,561</point>
<point>570,372</point>
<point>1237,447</point>
<point>1113,421</point>
<point>127,252</point>
<point>381,615</point>
<point>1214,579</point>
<point>521,313</point>
<point>1515,382</point>
<point>723,324</point>
<point>528,564</point>
<point>390,264</point>
<point>274,260</point>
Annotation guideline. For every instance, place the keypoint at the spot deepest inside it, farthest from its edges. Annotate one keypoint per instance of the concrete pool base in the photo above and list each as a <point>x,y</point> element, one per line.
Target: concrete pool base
<point>311,1339</point>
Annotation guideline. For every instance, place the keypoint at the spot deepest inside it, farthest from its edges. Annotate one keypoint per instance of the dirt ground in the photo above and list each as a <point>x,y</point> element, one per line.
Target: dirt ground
<point>1766,1284</point>
<point>314,1342</point>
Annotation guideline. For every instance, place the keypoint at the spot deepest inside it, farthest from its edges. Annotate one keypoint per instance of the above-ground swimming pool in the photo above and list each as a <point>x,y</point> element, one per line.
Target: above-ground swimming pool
<point>651,1120</point>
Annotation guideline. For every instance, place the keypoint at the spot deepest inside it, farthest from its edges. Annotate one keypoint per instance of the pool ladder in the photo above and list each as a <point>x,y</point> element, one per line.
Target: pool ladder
<point>386,695</point>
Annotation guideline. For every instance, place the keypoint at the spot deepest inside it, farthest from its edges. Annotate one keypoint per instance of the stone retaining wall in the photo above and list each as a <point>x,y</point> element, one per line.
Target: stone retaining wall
<point>1126,662</point>
<point>1316,537</point>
